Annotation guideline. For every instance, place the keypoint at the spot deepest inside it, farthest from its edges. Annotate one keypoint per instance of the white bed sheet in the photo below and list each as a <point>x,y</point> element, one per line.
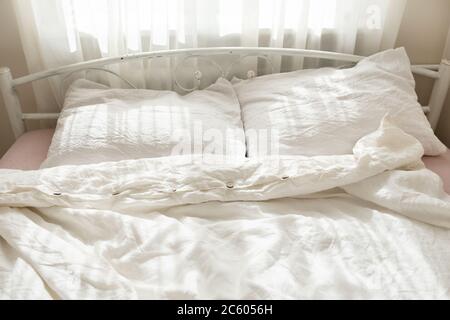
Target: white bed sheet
<point>370,225</point>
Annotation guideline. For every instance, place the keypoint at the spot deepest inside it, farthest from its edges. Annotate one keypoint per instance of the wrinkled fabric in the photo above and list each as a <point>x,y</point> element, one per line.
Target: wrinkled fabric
<point>370,225</point>
<point>100,124</point>
<point>326,111</point>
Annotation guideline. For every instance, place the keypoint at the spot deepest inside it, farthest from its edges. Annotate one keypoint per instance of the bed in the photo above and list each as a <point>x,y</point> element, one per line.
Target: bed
<point>86,213</point>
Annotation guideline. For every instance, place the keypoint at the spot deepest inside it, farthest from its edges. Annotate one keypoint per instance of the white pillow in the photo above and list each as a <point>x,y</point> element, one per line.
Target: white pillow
<point>326,111</point>
<point>99,124</point>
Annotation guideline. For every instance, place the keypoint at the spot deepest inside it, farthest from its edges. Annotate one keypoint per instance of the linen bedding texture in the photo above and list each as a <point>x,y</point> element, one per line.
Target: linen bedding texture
<point>325,111</point>
<point>99,124</point>
<point>308,112</point>
<point>373,224</point>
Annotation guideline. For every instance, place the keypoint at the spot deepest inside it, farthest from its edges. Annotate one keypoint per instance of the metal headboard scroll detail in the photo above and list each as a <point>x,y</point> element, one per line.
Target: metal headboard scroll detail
<point>198,75</point>
<point>251,73</point>
<point>68,75</point>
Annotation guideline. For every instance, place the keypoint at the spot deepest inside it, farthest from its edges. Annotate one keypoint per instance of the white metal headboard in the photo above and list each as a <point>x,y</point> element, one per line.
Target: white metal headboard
<point>440,73</point>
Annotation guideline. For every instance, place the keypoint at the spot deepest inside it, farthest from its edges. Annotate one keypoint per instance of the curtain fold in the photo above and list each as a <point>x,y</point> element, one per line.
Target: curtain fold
<point>60,32</point>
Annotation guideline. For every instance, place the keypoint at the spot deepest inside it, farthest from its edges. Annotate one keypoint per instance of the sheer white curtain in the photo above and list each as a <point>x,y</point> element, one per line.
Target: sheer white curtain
<point>59,32</point>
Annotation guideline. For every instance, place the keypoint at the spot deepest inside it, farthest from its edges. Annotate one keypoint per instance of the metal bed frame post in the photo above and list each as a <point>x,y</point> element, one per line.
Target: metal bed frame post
<point>12,103</point>
<point>439,93</point>
<point>441,86</point>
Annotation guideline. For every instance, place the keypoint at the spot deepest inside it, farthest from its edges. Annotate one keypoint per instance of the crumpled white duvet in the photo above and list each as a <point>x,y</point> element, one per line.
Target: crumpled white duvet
<point>370,225</point>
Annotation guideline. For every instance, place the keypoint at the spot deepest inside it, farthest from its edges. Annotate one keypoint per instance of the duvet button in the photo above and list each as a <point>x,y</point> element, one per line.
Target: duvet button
<point>230,185</point>
<point>57,194</point>
<point>285,178</point>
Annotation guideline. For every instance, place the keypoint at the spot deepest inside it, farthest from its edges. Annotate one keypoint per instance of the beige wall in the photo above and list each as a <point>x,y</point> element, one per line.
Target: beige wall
<point>11,55</point>
<point>423,33</point>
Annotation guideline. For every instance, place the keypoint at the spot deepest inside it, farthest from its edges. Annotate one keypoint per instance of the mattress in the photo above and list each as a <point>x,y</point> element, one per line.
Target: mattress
<point>31,149</point>
<point>441,166</point>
